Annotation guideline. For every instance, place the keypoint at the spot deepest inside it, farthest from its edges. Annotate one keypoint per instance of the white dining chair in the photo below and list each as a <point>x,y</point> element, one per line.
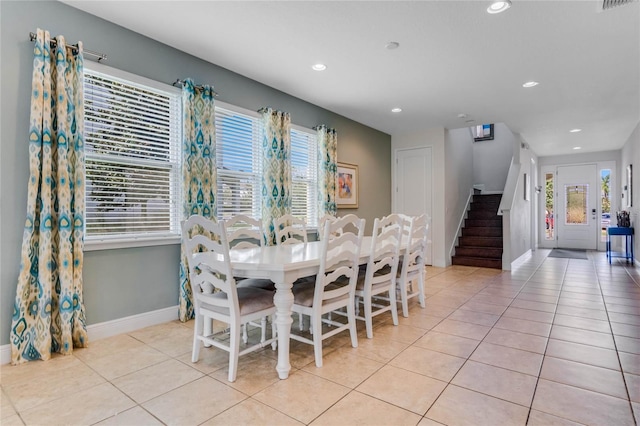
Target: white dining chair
<point>379,277</point>
<point>411,269</point>
<point>244,232</point>
<point>290,230</point>
<point>323,221</point>
<point>334,286</point>
<point>215,294</point>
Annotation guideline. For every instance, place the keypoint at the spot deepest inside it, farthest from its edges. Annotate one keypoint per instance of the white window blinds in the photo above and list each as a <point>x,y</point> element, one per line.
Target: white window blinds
<point>239,160</point>
<point>304,176</point>
<point>132,155</point>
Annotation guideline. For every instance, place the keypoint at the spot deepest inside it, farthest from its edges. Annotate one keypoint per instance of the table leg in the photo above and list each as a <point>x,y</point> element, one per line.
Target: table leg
<point>283,299</point>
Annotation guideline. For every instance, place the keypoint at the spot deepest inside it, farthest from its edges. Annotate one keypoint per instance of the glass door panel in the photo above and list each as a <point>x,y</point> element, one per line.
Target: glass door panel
<point>549,208</point>
<point>576,208</point>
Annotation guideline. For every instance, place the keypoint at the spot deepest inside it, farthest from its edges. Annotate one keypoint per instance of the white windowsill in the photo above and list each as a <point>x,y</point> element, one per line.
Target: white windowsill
<point>110,244</point>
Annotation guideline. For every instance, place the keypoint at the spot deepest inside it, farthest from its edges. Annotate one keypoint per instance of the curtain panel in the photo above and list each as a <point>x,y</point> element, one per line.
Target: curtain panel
<point>276,169</point>
<point>199,175</point>
<point>48,314</point>
<point>327,170</point>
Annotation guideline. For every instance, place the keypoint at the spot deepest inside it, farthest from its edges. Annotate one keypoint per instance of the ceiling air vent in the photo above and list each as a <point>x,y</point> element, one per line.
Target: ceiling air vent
<point>610,4</point>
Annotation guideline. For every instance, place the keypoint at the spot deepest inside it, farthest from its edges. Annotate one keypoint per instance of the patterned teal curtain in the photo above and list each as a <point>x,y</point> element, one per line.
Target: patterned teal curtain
<point>276,169</point>
<point>48,315</point>
<point>327,170</point>
<point>199,177</point>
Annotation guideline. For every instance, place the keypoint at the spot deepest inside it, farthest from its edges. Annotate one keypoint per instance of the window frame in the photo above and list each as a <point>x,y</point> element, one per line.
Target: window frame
<point>105,242</point>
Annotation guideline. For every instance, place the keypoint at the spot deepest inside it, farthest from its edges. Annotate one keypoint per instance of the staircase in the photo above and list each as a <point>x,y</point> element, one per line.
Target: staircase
<point>481,240</point>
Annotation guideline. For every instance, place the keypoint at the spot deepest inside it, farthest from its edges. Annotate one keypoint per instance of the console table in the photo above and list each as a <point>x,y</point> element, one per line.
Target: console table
<point>625,232</point>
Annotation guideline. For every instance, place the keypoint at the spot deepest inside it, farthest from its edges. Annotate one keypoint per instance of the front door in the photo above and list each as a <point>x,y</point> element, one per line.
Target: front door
<point>413,185</point>
<point>576,221</point>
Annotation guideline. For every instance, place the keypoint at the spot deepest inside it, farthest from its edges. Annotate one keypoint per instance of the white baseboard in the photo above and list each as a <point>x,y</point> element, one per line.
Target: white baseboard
<point>523,257</point>
<point>114,327</point>
<point>5,354</point>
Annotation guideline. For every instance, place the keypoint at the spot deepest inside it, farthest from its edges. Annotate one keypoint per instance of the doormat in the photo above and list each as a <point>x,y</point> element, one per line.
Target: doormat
<point>569,254</point>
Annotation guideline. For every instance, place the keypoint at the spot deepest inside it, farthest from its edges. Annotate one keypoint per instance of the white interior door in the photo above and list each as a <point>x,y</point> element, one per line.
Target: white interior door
<point>577,221</point>
<point>414,185</point>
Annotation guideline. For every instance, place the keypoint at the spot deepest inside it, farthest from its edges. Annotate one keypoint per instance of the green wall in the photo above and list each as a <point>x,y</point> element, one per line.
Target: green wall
<point>124,282</point>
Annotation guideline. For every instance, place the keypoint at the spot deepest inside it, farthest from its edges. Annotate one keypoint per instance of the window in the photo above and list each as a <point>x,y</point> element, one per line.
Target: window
<point>577,197</point>
<point>132,155</point>
<point>605,200</point>
<point>133,131</point>
<point>483,132</point>
<point>304,176</point>
<point>239,159</point>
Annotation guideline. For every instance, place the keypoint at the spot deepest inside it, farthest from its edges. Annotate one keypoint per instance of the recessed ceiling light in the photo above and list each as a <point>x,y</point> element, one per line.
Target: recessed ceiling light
<point>462,115</point>
<point>499,6</point>
<point>530,84</point>
<point>396,110</point>
<point>577,147</point>
<point>319,67</point>
<point>392,45</point>
<point>575,130</point>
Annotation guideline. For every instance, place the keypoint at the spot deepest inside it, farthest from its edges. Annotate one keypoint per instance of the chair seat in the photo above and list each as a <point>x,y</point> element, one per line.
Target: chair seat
<point>250,300</point>
<point>262,283</point>
<point>303,293</point>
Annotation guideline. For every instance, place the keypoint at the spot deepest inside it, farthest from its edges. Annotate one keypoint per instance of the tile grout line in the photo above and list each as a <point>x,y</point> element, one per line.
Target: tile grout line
<point>615,345</point>
<point>544,355</point>
<point>480,342</point>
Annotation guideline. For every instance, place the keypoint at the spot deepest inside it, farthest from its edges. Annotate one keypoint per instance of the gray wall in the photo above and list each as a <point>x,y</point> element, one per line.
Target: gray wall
<point>491,159</point>
<point>124,282</point>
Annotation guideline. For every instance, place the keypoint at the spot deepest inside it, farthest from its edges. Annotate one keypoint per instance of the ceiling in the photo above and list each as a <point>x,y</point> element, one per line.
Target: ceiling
<point>454,58</point>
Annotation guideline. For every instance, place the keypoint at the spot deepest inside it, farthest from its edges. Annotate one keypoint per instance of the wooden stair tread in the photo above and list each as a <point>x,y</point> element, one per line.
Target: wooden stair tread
<point>481,243</point>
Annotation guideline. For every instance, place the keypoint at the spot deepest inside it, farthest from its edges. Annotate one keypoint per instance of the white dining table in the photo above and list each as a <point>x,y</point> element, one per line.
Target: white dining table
<point>284,265</point>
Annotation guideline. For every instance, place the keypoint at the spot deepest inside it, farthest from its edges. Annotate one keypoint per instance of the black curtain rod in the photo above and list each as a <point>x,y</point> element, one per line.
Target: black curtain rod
<point>73,47</point>
<point>180,83</point>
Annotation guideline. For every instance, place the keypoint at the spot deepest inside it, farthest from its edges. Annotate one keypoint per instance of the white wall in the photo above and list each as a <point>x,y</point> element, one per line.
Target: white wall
<point>434,138</point>
<point>458,178</point>
<point>491,159</point>
<point>631,155</point>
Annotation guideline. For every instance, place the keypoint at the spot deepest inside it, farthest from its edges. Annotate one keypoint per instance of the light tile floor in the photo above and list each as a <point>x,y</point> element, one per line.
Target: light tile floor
<point>553,342</point>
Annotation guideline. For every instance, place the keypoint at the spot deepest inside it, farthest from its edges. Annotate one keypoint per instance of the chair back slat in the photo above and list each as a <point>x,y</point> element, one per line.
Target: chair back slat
<point>321,224</point>
<point>207,251</point>
<point>290,230</point>
<point>244,232</point>
<point>339,260</point>
<point>385,248</point>
<point>413,260</point>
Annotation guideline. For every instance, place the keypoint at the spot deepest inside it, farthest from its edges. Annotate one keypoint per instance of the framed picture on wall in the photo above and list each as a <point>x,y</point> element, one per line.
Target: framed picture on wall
<point>629,186</point>
<point>347,186</point>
